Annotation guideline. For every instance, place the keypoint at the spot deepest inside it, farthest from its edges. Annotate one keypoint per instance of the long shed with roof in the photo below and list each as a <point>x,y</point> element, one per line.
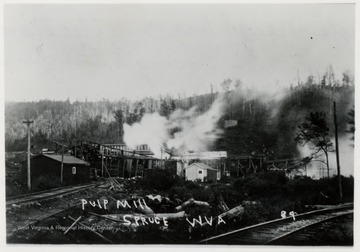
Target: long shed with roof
<point>46,169</point>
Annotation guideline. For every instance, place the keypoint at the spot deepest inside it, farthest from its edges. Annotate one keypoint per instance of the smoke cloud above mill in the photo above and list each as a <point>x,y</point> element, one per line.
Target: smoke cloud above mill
<point>193,131</point>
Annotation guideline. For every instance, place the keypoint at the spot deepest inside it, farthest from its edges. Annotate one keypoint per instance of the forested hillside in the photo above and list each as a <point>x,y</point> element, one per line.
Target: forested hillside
<point>267,123</point>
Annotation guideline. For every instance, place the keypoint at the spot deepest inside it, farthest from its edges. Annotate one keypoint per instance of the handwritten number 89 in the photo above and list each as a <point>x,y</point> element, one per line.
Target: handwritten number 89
<point>292,214</point>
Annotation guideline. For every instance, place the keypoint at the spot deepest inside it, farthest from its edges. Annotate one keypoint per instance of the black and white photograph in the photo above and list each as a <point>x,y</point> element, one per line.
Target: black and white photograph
<point>179,124</point>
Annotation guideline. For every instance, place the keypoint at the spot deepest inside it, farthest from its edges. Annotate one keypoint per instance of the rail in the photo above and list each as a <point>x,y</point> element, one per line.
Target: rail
<point>44,195</point>
<point>263,233</point>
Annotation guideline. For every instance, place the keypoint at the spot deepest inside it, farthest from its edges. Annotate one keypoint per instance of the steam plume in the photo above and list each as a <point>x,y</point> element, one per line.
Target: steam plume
<point>194,131</point>
<point>346,153</point>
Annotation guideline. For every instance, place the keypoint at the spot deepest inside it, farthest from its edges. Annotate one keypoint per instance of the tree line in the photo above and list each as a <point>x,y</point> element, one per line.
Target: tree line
<point>266,123</point>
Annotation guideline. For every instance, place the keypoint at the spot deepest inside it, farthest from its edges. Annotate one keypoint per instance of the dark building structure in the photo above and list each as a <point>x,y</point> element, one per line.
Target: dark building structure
<point>46,168</point>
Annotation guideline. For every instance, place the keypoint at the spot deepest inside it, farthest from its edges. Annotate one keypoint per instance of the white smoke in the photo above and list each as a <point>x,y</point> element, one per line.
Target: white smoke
<point>151,130</point>
<point>194,131</point>
<point>346,157</point>
<point>197,132</point>
<point>317,169</point>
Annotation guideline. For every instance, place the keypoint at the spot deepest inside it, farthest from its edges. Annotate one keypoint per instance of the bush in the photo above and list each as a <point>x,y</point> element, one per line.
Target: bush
<point>281,193</point>
<point>255,213</point>
<point>45,183</point>
<point>191,185</point>
<point>160,179</point>
<point>180,192</point>
<point>14,188</point>
<point>262,184</point>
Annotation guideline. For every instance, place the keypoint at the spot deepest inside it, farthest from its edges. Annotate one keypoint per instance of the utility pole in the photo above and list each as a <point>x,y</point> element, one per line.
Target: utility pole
<point>102,164</point>
<point>28,122</point>
<point>63,147</point>
<point>162,161</point>
<point>62,165</point>
<point>337,153</point>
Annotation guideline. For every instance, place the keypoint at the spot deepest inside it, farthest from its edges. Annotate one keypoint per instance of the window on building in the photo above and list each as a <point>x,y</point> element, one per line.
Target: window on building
<point>200,172</point>
<point>73,170</point>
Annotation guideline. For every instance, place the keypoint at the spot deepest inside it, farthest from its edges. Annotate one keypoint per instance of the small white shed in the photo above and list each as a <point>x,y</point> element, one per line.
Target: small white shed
<point>202,172</point>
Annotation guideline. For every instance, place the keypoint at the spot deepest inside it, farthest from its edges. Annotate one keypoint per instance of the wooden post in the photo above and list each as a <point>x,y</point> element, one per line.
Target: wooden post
<point>136,167</point>
<point>143,168</point>
<point>337,153</point>
<point>123,168</point>
<point>130,166</point>
<point>118,167</point>
<point>28,122</point>
<point>161,158</point>
<point>62,165</point>
<point>108,166</point>
<point>105,165</point>
<point>102,164</point>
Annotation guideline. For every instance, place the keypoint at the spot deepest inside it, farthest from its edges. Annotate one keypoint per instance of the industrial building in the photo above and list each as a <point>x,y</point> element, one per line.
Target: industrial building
<point>47,167</point>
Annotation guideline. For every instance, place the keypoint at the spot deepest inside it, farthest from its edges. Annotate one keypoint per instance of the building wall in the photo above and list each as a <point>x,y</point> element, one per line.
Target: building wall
<point>192,173</point>
<point>44,167</point>
<point>180,169</point>
<point>211,176</point>
<point>218,164</point>
<point>50,170</point>
<point>81,175</point>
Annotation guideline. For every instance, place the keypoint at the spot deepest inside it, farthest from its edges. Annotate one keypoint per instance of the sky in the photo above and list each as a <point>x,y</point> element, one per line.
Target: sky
<point>92,52</point>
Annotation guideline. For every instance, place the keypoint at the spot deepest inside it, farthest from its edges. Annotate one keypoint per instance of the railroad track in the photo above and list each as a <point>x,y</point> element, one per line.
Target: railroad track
<point>316,233</point>
<point>23,227</point>
<point>12,227</point>
<point>17,221</point>
<point>30,198</point>
<point>277,231</point>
